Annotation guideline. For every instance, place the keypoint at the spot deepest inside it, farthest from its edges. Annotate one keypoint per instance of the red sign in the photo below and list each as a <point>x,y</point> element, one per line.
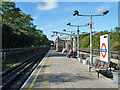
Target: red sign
<point>103,50</point>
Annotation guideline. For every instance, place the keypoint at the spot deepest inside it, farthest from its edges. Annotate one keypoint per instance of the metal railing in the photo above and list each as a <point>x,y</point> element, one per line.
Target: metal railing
<point>113,54</point>
<point>17,51</point>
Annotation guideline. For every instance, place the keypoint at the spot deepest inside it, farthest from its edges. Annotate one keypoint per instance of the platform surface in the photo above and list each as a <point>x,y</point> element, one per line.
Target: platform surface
<point>58,71</point>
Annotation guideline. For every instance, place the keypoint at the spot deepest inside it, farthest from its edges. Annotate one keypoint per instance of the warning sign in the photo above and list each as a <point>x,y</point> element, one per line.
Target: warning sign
<point>105,48</point>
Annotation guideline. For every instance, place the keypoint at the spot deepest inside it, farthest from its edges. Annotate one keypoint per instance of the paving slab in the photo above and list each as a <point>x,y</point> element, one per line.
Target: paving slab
<point>57,71</point>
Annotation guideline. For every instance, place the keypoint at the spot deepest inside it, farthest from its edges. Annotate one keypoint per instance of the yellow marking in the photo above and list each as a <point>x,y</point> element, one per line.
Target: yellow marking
<point>46,81</point>
<point>37,75</point>
<point>108,64</point>
<point>99,69</point>
<point>46,77</point>
<point>77,51</point>
<point>90,45</point>
<point>90,55</point>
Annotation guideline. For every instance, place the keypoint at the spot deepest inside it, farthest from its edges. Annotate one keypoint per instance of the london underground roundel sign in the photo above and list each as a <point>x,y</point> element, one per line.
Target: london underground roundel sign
<point>103,51</point>
<point>105,48</point>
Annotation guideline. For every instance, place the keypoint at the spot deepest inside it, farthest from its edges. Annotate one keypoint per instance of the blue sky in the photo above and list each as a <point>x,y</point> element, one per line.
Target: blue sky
<point>54,16</point>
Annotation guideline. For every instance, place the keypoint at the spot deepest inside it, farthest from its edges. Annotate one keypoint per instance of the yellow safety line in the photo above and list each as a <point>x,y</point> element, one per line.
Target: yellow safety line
<point>36,75</point>
<point>48,71</point>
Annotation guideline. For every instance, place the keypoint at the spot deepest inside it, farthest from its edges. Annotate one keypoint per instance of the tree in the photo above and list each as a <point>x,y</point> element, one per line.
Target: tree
<point>18,28</point>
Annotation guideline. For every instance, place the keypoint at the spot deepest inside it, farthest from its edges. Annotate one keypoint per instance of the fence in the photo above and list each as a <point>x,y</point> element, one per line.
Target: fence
<point>18,51</point>
<point>113,54</point>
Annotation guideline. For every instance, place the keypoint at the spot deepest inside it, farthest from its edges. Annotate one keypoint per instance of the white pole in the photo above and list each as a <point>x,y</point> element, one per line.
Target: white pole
<point>74,44</point>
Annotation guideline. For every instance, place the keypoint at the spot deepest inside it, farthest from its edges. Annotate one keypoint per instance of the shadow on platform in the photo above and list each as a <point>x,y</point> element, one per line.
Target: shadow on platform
<point>61,78</point>
<point>58,54</point>
<point>67,77</point>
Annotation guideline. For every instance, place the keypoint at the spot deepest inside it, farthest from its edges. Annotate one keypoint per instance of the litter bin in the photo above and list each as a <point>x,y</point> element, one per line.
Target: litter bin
<point>85,61</point>
<point>116,76</point>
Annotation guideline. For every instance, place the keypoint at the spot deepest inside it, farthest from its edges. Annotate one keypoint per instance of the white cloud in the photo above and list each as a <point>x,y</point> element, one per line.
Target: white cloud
<point>48,5</point>
<point>102,8</point>
<point>36,16</point>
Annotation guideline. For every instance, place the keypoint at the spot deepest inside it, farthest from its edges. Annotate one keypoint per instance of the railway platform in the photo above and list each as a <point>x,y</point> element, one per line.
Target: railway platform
<point>58,71</point>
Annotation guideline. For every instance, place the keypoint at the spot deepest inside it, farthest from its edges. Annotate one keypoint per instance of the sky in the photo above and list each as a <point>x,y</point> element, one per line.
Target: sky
<point>53,16</point>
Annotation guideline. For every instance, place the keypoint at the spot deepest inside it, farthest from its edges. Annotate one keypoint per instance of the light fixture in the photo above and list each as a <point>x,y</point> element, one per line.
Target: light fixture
<point>75,13</point>
<point>105,12</point>
<point>69,24</point>
<point>64,30</point>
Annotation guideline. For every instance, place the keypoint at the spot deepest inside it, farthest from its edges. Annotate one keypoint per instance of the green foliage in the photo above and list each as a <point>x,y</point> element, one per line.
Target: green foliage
<point>84,42</point>
<point>114,39</point>
<point>18,29</point>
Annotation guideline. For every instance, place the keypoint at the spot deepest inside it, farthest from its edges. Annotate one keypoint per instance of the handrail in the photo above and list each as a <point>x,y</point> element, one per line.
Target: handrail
<point>99,50</point>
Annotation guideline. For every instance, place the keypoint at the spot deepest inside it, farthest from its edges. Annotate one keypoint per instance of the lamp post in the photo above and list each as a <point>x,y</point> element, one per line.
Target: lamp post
<point>70,35</point>
<point>74,41</point>
<point>76,13</point>
<point>65,44</point>
<point>78,26</point>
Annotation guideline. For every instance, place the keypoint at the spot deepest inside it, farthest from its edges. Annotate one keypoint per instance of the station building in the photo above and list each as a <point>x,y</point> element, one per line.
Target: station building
<point>60,43</point>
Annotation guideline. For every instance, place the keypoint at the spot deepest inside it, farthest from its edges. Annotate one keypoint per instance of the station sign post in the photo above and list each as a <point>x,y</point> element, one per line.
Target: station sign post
<point>105,48</point>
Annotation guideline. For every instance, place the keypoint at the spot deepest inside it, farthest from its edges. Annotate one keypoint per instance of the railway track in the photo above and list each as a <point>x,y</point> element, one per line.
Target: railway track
<point>14,78</point>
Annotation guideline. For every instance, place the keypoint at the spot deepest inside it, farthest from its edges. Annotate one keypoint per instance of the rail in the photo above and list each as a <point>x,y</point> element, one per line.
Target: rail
<point>14,56</point>
<point>15,77</point>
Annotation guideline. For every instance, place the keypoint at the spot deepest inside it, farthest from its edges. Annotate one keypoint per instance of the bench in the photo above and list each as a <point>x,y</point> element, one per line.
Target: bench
<point>103,67</point>
<point>72,54</point>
